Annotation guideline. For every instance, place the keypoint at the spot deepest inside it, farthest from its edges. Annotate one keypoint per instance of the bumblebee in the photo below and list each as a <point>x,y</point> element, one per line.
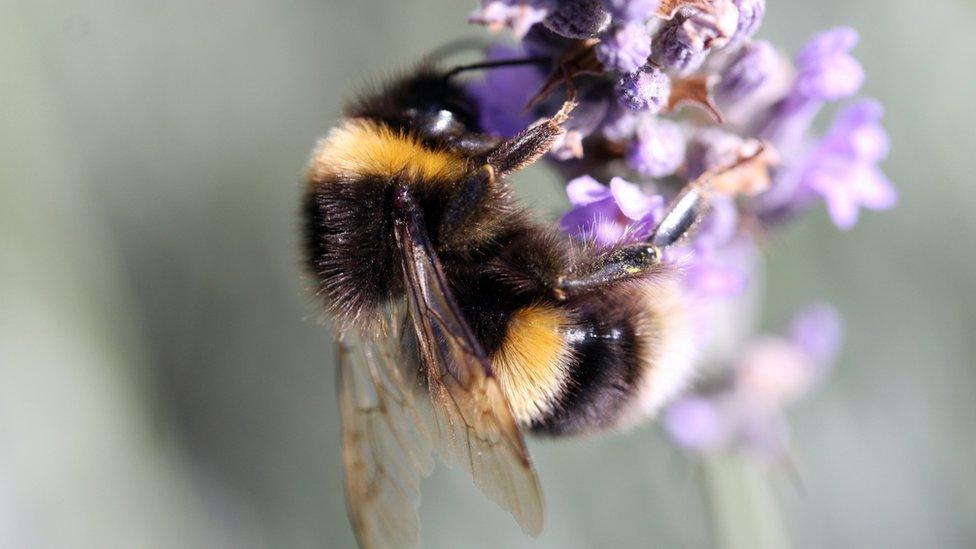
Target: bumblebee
<point>462,322</point>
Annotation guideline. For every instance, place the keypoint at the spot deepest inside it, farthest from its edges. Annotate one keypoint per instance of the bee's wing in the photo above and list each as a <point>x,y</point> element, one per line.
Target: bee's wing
<point>386,444</point>
<point>474,423</point>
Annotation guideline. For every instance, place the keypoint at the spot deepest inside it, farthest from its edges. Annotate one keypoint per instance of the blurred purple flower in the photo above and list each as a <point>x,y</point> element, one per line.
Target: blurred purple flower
<point>772,371</point>
<point>709,149</point>
<point>658,147</point>
<point>843,168</point>
<point>619,124</point>
<point>750,18</point>
<point>609,213</point>
<point>518,15</point>
<point>631,11</point>
<point>646,89</point>
<point>624,48</point>
<point>694,423</point>
<point>720,271</point>
<point>752,66</point>
<point>501,89</point>
<point>825,68</point>
<point>825,71</point>
<point>818,331</point>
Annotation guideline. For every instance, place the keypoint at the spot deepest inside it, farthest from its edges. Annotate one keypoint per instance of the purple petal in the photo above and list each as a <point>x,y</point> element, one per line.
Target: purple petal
<point>837,40</point>
<point>585,190</point>
<point>818,330</point>
<point>632,202</point>
<point>874,189</point>
<point>843,210</point>
<point>694,423</point>
<point>825,70</point>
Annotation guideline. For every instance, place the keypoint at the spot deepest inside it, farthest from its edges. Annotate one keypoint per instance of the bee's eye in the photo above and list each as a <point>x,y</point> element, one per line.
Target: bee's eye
<point>438,122</point>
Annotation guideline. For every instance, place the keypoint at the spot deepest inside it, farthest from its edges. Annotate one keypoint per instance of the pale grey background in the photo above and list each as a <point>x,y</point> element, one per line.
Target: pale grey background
<point>163,382</point>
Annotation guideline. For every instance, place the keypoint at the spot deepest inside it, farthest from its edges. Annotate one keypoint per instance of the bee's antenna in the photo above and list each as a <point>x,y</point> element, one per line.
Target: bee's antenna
<point>497,64</point>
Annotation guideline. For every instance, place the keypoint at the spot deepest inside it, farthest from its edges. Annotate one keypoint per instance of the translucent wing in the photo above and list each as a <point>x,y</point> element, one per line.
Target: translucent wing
<point>386,445</point>
<point>474,424</point>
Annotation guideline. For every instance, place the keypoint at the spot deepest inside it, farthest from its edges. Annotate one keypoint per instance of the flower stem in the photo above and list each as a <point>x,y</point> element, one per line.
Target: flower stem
<point>745,513</point>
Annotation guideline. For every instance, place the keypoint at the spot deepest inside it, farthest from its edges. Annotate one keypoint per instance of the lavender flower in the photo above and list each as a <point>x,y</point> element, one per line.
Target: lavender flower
<point>772,372</point>
<point>624,131</point>
<point>750,18</point>
<point>516,15</point>
<point>608,214</point>
<point>710,148</point>
<point>825,68</point>
<point>631,11</point>
<point>751,67</point>
<point>818,331</point>
<point>695,423</point>
<point>646,89</point>
<point>825,71</point>
<point>658,148</point>
<point>577,18</point>
<point>683,42</point>
<point>843,168</point>
<point>624,47</point>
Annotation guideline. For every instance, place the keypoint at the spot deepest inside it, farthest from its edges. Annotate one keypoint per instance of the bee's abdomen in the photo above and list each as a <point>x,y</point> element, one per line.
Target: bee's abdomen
<point>630,352</point>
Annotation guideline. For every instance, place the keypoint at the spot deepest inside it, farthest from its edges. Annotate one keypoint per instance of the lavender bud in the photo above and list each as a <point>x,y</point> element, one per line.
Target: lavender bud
<point>646,89</point>
<point>624,48</point>
<point>750,17</point>
<point>658,148</point>
<point>631,11</point>
<point>675,47</point>
<point>578,18</point>
<point>749,68</point>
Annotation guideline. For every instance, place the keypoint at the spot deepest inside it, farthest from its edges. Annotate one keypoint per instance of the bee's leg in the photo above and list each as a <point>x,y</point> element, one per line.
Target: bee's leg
<point>638,259</point>
<point>470,192</point>
<point>616,264</point>
<point>530,144</point>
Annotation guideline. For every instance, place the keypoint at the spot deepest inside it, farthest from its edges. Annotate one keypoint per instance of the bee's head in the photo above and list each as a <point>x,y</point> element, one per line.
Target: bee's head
<point>426,103</point>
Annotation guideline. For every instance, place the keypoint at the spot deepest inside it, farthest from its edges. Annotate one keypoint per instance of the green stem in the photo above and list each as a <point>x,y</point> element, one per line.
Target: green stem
<point>745,512</point>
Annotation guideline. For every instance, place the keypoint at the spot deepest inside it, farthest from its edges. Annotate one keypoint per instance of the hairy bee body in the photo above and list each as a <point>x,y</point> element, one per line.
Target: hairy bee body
<point>567,365</point>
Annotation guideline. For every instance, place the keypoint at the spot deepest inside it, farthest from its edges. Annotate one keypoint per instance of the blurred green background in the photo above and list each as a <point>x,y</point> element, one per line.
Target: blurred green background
<point>163,382</point>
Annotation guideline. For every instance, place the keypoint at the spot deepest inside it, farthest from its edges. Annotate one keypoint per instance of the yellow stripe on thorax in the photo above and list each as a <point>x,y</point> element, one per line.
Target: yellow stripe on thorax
<point>360,147</point>
<point>532,363</point>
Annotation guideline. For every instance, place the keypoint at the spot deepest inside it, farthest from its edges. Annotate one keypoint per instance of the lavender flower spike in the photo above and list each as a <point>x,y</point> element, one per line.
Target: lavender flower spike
<point>843,169</point>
